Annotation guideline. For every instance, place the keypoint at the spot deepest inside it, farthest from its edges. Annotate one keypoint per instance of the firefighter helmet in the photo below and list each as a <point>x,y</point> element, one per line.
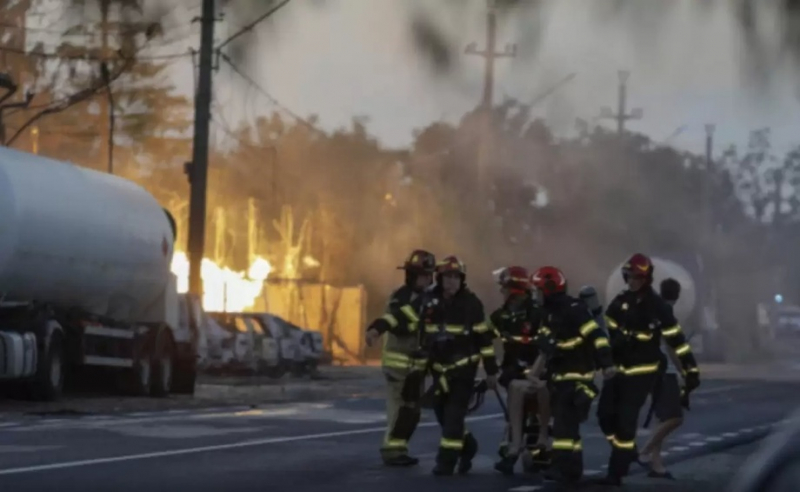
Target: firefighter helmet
<point>550,280</point>
<point>451,264</point>
<point>638,266</point>
<point>419,261</point>
<point>515,278</point>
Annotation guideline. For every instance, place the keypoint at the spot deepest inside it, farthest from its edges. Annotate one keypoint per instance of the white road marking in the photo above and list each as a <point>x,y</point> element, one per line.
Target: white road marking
<point>678,449</point>
<point>697,444</point>
<point>217,447</point>
<point>730,434</point>
<point>714,439</point>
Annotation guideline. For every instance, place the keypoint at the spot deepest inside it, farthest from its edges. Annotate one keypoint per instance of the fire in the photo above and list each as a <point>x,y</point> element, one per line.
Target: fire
<point>223,288</point>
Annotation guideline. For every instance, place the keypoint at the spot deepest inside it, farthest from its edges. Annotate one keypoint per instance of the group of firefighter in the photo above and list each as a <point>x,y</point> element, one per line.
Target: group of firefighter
<point>554,345</point>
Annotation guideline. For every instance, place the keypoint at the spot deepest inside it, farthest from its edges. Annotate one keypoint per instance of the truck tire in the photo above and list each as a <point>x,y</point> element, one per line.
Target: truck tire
<point>185,378</point>
<point>48,384</point>
<point>163,364</point>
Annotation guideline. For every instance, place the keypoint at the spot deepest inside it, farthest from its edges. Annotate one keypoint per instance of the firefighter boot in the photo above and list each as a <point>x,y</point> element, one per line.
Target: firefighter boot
<point>403,460</point>
<point>444,469</point>
<point>506,464</point>
<point>467,454</point>
<point>607,481</point>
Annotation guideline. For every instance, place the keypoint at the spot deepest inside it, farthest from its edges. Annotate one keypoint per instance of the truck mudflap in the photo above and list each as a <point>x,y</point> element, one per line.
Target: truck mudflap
<point>18,355</point>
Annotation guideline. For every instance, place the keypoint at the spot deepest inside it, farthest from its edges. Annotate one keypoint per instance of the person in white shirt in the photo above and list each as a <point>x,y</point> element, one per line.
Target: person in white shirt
<point>667,406</point>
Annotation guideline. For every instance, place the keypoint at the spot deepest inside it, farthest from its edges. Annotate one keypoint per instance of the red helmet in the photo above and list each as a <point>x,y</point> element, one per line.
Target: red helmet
<point>451,264</point>
<point>515,278</point>
<point>550,280</point>
<point>638,266</point>
<point>419,261</point>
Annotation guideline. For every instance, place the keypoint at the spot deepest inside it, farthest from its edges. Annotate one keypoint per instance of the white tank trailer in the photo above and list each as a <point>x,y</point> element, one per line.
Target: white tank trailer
<point>663,269</point>
<point>85,281</point>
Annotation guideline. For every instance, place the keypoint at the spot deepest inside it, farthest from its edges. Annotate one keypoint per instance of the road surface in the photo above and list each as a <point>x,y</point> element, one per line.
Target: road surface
<point>319,447</point>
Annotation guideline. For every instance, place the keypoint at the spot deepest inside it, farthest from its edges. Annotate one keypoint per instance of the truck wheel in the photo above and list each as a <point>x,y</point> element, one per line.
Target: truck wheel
<point>185,378</point>
<point>163,360</point>
<point>48,383</point>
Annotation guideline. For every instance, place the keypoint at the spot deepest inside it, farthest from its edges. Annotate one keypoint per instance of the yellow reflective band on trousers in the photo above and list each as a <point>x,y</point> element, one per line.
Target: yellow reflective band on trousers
<point>391,320</point>
<point>569,344</point>
<point>601,343</point>
<point>644,337</point>
<point>457,444</point>
<point>639,370</point>
<point>672,331</point>
<point>567,445</point>
<point>683,349</point>
<point>589,391</point>
<point>396,360</point>
<point>487,351</point>
<point>610,322</point>
<point>574,376</point>
<point>629,445</point>
<point>588,327</point>
<point>395,444</point>
<point>459,363</point>
<point>480,328</point>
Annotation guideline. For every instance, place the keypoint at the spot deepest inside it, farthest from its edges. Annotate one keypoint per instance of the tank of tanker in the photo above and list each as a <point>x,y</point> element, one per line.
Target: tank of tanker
<point>663,269</point>
<point>77,238</point>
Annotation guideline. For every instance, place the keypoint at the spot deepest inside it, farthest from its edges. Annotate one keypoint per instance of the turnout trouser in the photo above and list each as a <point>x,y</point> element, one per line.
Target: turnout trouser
<point>571,402</point>
<point>402,412</point>
<point>451,405</point>
<point>621,400</point>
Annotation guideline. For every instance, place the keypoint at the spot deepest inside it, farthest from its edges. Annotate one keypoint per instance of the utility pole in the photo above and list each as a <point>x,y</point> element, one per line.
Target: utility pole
<point>621,115</point>
<point>105,111</point>
<point>490,54</point>
<point>198,168</point>
<point>707,215</point>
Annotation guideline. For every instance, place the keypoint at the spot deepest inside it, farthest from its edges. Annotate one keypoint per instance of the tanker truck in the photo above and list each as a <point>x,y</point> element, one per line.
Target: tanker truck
<point>694,308</point>
<point>85,283</point>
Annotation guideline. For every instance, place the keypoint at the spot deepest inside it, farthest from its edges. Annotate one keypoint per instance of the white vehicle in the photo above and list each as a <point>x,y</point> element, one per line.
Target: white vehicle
<point>253,346</point>
<point>301,350</point>
<point>85,281</point>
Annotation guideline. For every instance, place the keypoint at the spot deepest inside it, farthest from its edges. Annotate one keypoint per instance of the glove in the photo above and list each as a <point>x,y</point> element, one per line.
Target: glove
<point>692,381</point>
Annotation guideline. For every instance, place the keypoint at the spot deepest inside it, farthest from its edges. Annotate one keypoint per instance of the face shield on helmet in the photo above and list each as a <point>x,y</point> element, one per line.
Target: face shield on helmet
<point>637,272</point>
<point>514,280</point>
<point>549,281</point>
<point>419,268</point>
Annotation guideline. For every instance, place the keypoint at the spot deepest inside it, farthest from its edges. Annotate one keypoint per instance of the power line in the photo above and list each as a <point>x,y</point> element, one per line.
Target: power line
<point>269,96</point>
<point>249,27</point>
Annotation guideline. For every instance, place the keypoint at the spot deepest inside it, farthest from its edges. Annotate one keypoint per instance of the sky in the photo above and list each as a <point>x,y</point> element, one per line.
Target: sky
<point>339,59</point>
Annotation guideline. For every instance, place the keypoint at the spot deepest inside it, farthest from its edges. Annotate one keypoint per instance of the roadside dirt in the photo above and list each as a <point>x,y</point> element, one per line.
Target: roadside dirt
<point>332,382</point>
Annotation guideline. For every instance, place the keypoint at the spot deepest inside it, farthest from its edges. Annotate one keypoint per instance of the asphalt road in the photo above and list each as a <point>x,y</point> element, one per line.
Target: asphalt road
<point>320,446</point>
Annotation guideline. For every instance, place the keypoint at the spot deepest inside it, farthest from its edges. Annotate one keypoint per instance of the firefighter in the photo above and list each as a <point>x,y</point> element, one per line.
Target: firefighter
<point>403,360</point>
<point>517,321</point>
<point>457,338</point>
<point>637,319</point>
<point>570,341</point>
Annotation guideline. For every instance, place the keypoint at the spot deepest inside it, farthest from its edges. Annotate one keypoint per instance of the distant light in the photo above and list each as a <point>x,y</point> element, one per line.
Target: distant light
<point>778,298</point>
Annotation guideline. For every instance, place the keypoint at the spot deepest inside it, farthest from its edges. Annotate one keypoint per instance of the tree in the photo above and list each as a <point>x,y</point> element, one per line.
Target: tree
<point>144,104</point>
